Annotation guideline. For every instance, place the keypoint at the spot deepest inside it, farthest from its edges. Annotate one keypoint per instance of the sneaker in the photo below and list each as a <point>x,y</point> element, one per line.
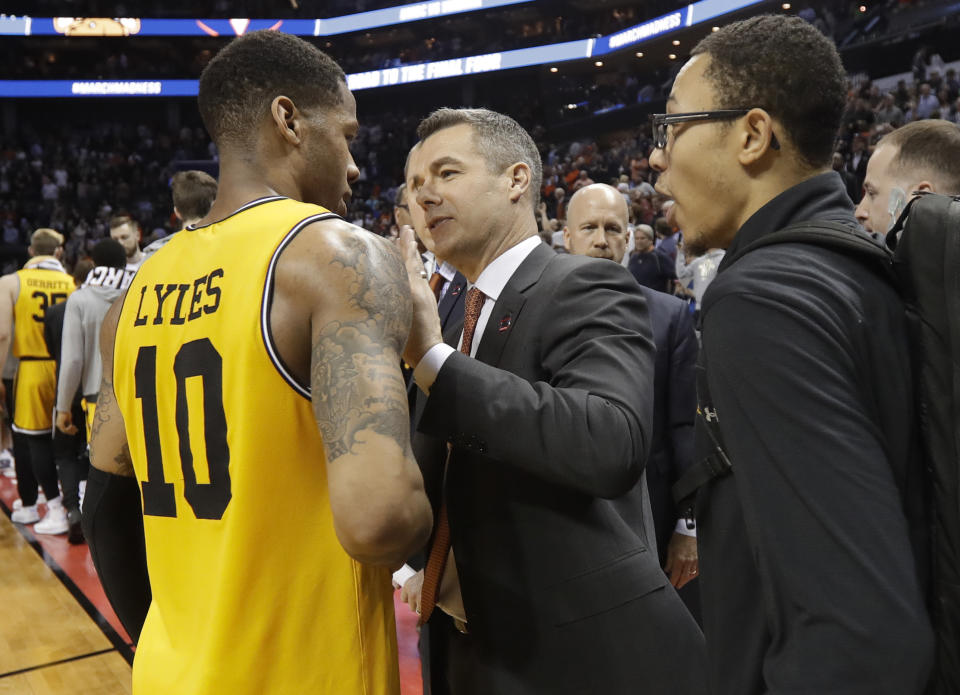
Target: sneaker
<point>6,459</point>
<point>75,534</point>
<point>55,521</point>
<point>18,503</point>
<point>25,515</point>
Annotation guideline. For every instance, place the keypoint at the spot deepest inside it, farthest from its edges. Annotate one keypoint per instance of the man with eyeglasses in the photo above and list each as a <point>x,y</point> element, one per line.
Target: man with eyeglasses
<point>809,582</point>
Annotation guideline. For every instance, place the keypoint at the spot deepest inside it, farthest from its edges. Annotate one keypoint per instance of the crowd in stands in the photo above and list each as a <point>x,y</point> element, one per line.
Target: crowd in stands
<point>75,181</point>
<point>511,28</point>
<point>872,112</point>
<point>358,52</point>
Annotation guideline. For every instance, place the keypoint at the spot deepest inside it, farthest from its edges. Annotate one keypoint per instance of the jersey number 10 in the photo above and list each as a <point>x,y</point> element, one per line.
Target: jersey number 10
<point>197,358</point>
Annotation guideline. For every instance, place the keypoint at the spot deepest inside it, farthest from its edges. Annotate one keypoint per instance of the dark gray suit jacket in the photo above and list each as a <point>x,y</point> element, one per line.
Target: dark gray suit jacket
<point>547,427</point>
<point>674,409</point>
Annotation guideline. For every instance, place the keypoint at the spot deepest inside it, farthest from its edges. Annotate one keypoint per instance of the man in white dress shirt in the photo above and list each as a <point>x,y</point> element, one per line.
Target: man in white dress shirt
<point>530,430</point>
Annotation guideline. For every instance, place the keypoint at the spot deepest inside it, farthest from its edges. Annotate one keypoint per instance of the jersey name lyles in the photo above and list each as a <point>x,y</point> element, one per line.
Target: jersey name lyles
<point>176,303</point>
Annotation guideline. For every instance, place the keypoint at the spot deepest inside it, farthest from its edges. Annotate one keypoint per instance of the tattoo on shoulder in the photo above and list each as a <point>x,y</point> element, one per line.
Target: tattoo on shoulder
<point>123,461</point>
<point>355,376</point>
<point>379,288</point>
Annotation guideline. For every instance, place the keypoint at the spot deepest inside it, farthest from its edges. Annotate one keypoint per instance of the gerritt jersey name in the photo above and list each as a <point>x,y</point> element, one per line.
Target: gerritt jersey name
<point>176,303</point>
<point>111,278</point>
<point>46,284</point>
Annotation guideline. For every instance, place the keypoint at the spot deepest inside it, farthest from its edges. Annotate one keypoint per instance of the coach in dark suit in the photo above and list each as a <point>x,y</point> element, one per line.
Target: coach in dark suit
<point>597,227</point>
<point>548,417</point>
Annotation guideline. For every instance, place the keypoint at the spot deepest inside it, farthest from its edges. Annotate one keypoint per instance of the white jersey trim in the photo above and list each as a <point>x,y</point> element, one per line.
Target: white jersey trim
<point>267,301</point>
<point>20,430</point>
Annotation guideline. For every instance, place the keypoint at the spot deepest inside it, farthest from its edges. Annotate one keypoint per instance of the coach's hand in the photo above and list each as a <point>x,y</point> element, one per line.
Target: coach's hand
<point>65,423</point>
<point>410,593</point>
<point>425,327</point>
<point>682,560</point>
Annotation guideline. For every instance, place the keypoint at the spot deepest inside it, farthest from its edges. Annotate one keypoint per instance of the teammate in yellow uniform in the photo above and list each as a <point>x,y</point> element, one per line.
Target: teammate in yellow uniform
<point>255,366</point>
<point>24,297</point>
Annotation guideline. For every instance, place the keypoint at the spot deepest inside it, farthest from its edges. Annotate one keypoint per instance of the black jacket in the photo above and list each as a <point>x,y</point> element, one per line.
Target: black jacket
<point>548,424</point>
<point>53,330</point>
<point>809,581</point>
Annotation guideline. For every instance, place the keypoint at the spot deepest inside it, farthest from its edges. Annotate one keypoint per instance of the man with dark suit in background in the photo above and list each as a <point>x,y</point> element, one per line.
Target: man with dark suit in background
<point>597,227</point>
<point>529,432</point>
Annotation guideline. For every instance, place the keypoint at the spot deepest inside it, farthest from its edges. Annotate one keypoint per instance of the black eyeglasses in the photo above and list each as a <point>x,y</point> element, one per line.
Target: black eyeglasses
<point>660,121</point>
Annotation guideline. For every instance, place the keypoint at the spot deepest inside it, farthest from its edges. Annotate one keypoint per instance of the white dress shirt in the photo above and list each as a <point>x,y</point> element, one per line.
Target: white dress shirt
<point>447,271</point>
<point>491,282</point>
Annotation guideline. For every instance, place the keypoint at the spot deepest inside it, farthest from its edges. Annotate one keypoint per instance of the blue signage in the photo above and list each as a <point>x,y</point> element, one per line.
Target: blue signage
<point>132,26</point>
<point>402,74</point>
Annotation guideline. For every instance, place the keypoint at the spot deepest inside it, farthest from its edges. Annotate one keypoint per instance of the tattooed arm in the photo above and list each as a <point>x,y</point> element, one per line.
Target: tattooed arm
<point>352,289</point>
<point>109,451</point>
<point>108,438</point>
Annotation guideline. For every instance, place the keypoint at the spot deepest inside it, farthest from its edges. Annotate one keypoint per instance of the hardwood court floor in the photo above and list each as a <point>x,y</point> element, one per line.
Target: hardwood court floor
<point>58,634</point>
<point>48,643</point>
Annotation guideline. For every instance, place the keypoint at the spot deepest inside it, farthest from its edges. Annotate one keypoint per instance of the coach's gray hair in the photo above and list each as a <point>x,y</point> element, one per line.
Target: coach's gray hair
<point>500,139</point>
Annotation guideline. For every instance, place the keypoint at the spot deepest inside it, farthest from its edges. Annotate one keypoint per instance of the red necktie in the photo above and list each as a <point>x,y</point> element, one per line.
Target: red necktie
<point>436,284</point>
<point>440,550</point>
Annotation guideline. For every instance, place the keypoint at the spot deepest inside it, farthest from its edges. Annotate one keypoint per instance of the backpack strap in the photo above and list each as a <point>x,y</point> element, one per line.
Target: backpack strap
<point>845,238</point>
<point>715,465</point>
<point>893,236</point>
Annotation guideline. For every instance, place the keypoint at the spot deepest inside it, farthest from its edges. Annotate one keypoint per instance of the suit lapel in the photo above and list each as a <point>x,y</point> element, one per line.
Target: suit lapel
<point>499,326</point>
<point>452,301</point>
<point>452,331</point>
<point>507,309</point>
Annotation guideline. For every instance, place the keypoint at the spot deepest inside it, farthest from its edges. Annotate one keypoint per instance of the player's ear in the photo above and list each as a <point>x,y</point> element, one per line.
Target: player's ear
<point>286,119</point>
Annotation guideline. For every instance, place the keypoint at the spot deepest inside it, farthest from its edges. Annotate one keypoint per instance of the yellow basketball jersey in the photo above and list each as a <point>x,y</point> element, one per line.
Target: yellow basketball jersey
<point>252,592</point>
<point>43,283</point>
<point>39,288</point>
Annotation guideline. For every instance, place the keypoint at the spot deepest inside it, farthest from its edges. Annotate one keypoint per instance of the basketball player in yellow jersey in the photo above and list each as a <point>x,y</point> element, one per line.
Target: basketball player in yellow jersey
<point>24,298</point>
<point>252,386</point>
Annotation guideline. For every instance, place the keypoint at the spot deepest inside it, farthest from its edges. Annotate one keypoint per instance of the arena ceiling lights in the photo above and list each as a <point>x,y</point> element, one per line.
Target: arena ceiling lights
<point>130,26</point>
<point>695,13</point>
